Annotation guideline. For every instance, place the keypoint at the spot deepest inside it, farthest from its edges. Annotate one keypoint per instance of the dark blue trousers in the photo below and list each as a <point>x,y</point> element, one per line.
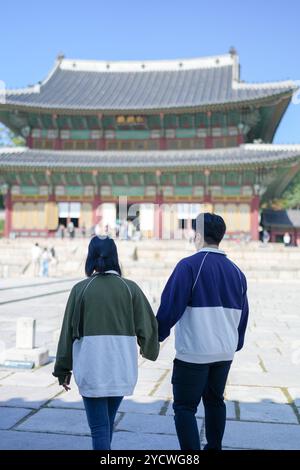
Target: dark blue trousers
<point>191,382</point>
<point>101,413</point>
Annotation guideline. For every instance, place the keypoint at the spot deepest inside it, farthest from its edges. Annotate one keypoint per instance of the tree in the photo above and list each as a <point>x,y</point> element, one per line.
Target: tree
<point>290,198</point>
<point>10,139</point>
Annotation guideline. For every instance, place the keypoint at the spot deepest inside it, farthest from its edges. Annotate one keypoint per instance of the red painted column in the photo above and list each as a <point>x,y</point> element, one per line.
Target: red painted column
<point>96,214</point>
<point>208,142</point>
<point>101,144</point>
<point>8,213</point>
<point>240,139</point>
<point>29,141</point>
<point>254,218</point>
<point>58,144</point>
<point>162,143</point>
<point>158,218</point>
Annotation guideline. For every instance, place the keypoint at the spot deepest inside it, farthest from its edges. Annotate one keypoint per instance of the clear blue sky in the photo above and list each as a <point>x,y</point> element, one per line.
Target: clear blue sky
<point>265,34</point>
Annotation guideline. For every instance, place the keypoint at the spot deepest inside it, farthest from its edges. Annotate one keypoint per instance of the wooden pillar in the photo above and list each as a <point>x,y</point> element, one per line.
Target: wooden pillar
<point>208,142</point>
<point>29,141</point>
<point>162,143</point>
<point>162,139</point>
<point>58,144</point>
<point>158,218</point>
<point>96,214</point>
<point>254,218</point>
<point>101,144</point>
<point>240,139</point>
<point>8,213</point>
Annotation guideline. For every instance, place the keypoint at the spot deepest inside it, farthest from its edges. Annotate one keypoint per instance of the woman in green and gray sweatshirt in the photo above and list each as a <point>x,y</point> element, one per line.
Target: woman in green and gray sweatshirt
<point>106,316</point>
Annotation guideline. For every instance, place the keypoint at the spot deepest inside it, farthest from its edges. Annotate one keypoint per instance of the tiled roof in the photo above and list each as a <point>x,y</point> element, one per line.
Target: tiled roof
<point>126,86</point>
<point>244,155</point>
<point>283,218</point>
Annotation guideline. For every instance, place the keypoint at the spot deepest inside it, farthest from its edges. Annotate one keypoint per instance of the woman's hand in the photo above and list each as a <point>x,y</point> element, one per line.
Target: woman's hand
<point>66,387</point>
<point>66,383</point>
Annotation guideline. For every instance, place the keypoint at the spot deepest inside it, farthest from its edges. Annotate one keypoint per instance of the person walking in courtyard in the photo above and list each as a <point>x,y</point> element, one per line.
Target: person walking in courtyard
<point>105,316</point>
<point>206,297</point>
<point>45,259</point>
<point>35,256</point>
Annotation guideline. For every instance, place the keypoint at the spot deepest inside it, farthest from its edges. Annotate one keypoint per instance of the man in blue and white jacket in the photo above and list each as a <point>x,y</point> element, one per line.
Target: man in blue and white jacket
<point>206,298</point>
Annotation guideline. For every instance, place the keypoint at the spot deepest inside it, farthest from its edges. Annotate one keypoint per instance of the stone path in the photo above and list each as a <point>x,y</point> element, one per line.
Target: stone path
<point>262,395</point>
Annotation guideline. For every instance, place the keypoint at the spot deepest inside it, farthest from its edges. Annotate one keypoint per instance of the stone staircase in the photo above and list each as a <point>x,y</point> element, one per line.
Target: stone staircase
<point>150,260</point>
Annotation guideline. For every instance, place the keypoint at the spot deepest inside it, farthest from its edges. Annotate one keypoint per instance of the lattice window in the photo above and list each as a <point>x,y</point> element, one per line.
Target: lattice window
<point>108,122</point>
<point>186,120</point>
<point>201,120</point>
<point>170,121</point>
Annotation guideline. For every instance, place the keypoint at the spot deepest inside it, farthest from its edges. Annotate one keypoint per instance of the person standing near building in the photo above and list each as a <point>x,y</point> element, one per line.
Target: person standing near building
<point>61,231</point>
<point>71,229</point>
<point>265,236</point>
<point>106,315</point>
<point>206,297</point>
<point>286,239</point>
<point>83,230</point>
<point>35,257</point>
<point>45,259</point>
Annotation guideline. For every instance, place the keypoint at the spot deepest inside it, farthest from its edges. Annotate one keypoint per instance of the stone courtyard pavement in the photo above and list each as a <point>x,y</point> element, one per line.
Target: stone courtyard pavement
<point>262,395</point>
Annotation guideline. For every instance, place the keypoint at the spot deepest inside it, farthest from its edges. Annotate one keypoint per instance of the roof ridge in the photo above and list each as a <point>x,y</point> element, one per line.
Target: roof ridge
<point>271,146</point>
<point>221,60</point>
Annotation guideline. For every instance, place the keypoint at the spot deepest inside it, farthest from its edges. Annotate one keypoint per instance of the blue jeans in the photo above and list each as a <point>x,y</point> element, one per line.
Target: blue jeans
<point>101,413</point>
<point>191,382</point>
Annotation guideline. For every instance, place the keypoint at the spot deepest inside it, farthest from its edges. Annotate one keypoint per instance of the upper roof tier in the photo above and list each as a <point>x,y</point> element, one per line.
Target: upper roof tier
<point>149,85</point>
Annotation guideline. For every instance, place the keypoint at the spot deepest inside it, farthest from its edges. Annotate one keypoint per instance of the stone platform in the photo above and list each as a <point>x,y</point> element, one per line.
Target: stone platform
<point>262,395</point>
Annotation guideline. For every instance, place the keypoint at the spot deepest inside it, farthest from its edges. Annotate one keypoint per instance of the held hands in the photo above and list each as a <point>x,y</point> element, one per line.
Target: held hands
<point>66,383</point>
<point>66,387</point>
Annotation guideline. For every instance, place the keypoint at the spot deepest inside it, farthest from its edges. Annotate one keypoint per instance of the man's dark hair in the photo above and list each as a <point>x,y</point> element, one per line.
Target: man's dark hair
<point>211,226</point>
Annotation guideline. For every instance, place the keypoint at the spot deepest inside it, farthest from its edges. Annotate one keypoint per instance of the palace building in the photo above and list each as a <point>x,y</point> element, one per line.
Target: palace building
<point>170,136</point>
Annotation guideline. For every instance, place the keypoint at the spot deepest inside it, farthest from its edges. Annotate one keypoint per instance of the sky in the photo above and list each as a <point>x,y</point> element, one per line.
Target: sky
<point>265,34</point>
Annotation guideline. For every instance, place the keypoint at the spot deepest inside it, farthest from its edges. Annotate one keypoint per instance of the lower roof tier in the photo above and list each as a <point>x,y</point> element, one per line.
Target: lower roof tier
<point>246,155</point>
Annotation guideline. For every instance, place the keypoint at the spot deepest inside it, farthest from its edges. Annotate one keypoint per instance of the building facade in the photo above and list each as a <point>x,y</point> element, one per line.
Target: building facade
<point>164,138</point>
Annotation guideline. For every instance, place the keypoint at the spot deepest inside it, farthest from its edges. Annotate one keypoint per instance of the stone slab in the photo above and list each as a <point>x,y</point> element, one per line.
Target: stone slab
<point>17,440</point>
<point>148,424</point>
<point>70,399</point>
<point>280,378</point>
<point>57,421</point>
<point>30,379</point>
<point>10,416</point>
<point>136,441</point>
<point>268,412</point>
<point>255,394</point>
<point>26,397</point>
<point>262,436</point>
<point>140,404</point>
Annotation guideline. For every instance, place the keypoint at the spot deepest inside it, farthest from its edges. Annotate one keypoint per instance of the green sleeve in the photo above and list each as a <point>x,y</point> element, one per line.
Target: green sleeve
<point>146,328</point>
<point>64,359</point>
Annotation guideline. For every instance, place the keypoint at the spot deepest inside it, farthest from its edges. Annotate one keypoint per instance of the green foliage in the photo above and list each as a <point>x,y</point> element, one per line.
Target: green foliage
<point>10,139</point>
<point>291,197</point>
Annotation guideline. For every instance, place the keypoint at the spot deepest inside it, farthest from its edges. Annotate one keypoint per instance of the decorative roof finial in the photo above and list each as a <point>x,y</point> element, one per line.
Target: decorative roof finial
<point>60,57</point>
<point>232,51</point>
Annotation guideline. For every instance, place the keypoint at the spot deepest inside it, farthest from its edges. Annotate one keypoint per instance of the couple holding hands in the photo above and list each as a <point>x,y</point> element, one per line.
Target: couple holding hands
<point>106,316</point>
